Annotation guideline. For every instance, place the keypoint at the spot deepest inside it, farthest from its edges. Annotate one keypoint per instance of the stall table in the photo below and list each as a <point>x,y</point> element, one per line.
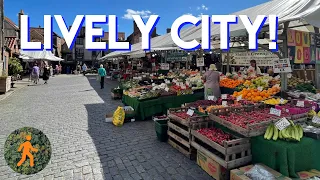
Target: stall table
<point>287,157</point>
<point>148,108</point>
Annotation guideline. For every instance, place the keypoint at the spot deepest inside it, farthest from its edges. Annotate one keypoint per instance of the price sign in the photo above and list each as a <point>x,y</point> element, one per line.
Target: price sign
<point>164,66</point>
<point>313,108</point>
<point>239,98</point>
<point>282,124</point>
<point>166,89</point>
<point>211,98</point>
<point>190,112</point>
<point>224,103</point>
<point>260,88</point>
<point>200,62</point>
<point>300,103</point>
<point>281,101</point>
<point>316,120</point>
<point>224,96</point>
<point>275,111</point>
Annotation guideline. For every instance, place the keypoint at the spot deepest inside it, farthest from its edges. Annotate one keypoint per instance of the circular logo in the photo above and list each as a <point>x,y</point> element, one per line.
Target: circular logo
<point>27,150</point>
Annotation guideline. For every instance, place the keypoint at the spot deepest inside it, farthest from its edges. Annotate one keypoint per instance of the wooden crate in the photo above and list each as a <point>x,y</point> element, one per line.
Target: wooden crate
<point>180,137</point>
<point>189,120</point>
<point>251,130</point>
<point>231,154</point>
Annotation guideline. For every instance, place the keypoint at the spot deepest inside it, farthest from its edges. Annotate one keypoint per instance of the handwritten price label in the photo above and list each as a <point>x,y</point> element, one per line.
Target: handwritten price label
<point>190,112</point>
<point>282,124</point>
<point>211,98</point>
<point>300,103</point>
<point>166,89</point>
<point>281,101</point>
<point>275,111</point>
<point>224,103</point>
<point>260,88</point>
<point>224,96</point>
<point>316,120</point>
<point>239,98</point>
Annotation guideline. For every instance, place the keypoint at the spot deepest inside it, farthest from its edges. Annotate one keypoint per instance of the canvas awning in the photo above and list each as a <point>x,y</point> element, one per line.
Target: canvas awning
<point>38,55</point>
<point>298,12</point>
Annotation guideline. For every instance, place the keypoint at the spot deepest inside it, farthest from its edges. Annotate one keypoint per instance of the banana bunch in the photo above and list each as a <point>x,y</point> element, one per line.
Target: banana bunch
<point>290,133</point>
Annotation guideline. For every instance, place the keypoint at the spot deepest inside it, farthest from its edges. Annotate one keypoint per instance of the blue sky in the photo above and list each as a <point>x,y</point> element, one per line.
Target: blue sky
<point>168,10</point>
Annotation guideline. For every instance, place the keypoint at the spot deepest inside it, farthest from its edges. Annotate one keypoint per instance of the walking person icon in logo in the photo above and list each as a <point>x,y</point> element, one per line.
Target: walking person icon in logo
<point>27,148</point>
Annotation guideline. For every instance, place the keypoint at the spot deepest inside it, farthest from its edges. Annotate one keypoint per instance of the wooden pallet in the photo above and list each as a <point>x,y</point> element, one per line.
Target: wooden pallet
<point>186,122</point>
<point>180,137</point>
<point>231,154</point>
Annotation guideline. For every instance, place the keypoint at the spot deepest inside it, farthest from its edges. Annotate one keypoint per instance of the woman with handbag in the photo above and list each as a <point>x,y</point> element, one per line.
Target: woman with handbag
<point>212,82</point>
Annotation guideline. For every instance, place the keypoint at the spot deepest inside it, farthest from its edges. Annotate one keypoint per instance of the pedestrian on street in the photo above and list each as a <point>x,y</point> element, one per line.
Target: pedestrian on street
<point>51,71</point>
<point>102,73</point>
<point>46,74</point>
<point>60,69</point>
<point>57,69</point>
<point>35,73</point>
<point>84,69</point>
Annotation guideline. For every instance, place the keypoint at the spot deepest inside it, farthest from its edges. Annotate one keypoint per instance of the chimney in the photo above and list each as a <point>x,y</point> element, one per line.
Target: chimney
<point>168,30</point>
<point>19,19</point>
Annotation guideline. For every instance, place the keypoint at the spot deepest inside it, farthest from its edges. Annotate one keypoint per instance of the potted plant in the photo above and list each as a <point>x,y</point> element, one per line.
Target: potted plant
<point>14,68</point>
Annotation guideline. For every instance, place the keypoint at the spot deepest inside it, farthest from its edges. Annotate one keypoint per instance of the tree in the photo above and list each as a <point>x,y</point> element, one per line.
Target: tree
<point>15,67</point>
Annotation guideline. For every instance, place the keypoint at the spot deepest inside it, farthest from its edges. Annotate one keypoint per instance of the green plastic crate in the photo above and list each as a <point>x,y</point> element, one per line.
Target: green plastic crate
<point>161,127</point>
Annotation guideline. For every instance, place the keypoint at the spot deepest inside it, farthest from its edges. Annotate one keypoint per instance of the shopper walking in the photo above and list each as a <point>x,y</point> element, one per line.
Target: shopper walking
<point>46,74</point>
<point>212,80</point>
<point>102,73</point>
<point>84,69</point>
<point>51,70</point>
<point>35,73</point>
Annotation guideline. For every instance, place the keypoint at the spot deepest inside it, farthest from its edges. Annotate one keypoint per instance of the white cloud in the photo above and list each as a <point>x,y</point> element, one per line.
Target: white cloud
<point>144,13</point>
<point>204,7</point>
<point>198,8</point>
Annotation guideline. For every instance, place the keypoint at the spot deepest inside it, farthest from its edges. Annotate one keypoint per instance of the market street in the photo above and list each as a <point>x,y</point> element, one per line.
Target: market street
<point>71,110</point>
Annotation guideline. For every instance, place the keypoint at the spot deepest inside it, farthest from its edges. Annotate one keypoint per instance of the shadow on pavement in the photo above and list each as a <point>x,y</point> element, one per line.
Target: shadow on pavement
<point>132,151</point>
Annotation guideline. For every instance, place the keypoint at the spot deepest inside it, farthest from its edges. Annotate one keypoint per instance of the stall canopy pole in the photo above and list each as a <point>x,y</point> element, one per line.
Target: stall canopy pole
<point>228,61</point>
<point>317,66</point>
<point>283,76</point>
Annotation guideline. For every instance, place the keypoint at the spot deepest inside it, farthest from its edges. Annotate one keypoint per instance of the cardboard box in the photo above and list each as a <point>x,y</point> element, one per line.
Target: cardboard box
<point>238,174</point>
<point>309,174</point>
<point>211,167</point>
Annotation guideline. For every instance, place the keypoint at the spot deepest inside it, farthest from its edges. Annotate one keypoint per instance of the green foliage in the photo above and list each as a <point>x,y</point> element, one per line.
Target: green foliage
<point>15,66</point>
<point>39,141</point>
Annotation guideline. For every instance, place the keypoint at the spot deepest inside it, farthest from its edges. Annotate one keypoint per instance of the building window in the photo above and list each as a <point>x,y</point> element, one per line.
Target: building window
<point>79,41</point>
<point>79,53</point>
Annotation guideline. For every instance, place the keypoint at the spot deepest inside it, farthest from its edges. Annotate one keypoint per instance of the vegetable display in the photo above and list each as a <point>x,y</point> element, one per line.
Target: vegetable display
<point>255,95</point>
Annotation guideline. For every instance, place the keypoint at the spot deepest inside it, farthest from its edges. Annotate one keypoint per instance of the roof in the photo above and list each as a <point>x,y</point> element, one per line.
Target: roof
<point>9,42</point>
<point>37,34</point>
<point>305,10</point>
<point>11,23</point>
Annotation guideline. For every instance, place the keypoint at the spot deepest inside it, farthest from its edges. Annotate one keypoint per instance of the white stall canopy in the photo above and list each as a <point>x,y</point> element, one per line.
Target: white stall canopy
<point>298,12</point>
<point>38,55</point>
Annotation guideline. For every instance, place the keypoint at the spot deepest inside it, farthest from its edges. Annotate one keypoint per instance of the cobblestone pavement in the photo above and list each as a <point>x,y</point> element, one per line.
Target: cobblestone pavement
<point>71,110</point>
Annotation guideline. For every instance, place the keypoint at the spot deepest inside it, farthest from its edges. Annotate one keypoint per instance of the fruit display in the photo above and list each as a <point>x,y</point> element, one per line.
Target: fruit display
<point>237,119</point>
<point>255,95</point>
<point>267,111</point>
<point>184,115</point>
<point>258,82</point>
<point>274,101</point>
<point>230,83</point>
<point>202,103</point>
<point>304,95</point>
<point>258,117</point>
<point>291,133</point>
<point>215,135</point>
<point>293,109</point>
<point>209,108</point>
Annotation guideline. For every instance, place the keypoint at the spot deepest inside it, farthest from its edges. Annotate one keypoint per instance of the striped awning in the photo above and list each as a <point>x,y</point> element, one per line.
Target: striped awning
<point>9,42</point>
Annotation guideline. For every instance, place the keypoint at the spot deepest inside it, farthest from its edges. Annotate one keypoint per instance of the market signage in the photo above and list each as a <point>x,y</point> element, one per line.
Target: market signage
<point>164,66</point>
<point>177,56</point>
<point>263,58</point>
<point>303,47</point>
<point>200,62</point>
<point>282,66</point>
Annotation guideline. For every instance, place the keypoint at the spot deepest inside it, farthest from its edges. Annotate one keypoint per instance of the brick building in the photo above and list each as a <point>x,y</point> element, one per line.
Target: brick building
<point>135,37</point>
